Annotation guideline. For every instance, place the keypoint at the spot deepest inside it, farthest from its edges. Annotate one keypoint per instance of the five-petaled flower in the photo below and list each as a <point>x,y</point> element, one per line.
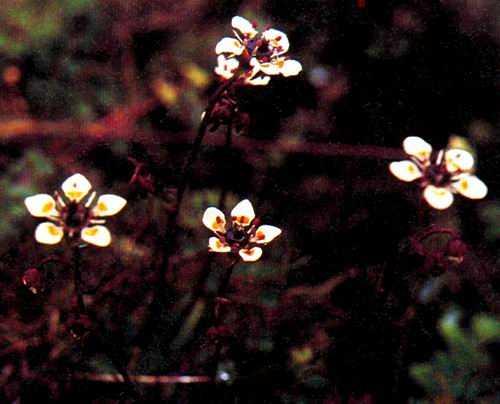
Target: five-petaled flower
<point>441,175</point>
<point>254,56</point>
<point>242,236</point>
<point>76,217</point>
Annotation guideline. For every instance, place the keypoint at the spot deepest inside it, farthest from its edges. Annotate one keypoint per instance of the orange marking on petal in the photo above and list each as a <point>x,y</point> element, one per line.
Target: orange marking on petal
<point>260,236</point>
<point>464,185</point>
<point>411,169</point>
<point>53,230</point>
<point>74,194</point>
<point>48,207</point>
<point>92,231</point>
<point>249,252</point>
<point>102,206</point>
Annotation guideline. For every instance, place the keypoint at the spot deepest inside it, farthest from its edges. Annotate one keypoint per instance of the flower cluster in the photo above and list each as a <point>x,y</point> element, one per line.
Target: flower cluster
<point>242,236</point>
<point>441,175</point>
<point>255,56</point>
<point>74,217</point>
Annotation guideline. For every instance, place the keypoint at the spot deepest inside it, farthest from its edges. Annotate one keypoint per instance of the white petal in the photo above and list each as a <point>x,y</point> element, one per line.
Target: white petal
<point>96,235</point>
<point>457,159</point>
<point>277,39</point>
<point>270,68</point>
<point>265,234</point>
<point>291,68</point>
<point>418,147</point>
<point>48,233</point>
<point>405,170</point>
<point>214,220</point>
<point>76,187</point>
<point>215,245</point>
<point>109,205</point>
<point>243,213</point>
<point>244,26</point>
<point>229,45</point>
<point>252,254</point>
<point>438,198</point>
<point>258,81</point>
<point>471,187</point>
<point>226,67</point>
<point>41,205</point>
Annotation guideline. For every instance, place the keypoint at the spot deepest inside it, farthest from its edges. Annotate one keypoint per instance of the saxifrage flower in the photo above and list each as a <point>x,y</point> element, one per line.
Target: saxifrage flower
<point>255,57</point>
<point>441,175</point>
<point>242,235</point>
<point>74,217</point>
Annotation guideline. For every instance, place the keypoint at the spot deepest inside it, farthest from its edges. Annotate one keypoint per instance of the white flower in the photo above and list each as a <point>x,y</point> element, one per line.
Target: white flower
<point>450,172</point>
<point>256,56</point>
<point>226,67</point>
<point>243,236</point>
<point>74,217</point>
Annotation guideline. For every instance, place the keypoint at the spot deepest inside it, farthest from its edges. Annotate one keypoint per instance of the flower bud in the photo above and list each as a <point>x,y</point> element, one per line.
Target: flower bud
<point>455,251</point>
<point>80,326</point>
<point>32,279</point>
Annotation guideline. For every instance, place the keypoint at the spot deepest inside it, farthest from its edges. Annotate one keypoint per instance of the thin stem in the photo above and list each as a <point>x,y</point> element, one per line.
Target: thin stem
<point>190,163</point>
<point>223,285</point>
<point>77,274</point>
<point>170,239</point>
<point>81,310</point>
<point>227,146</point>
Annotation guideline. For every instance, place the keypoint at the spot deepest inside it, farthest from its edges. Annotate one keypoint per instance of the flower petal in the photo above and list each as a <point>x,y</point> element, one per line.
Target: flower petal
<point>265,234</point>
<point>229,45</point>
<point>214,220</point>
<point>458,160</point>
<point>253,254</point>
<point>405,170</point>
<point>243,213</point>
<point>41,205</point>
<point>270,68</point>
<point>96,235</point>
<point>277,40</point>
<point>226,67</point>
<point>109,205</point>
<point>76,187</point>
<point>418,147</point>
<point>244,26</point>
<point>438,198</point>
<point>471,187</point>
<point>48,233</point>
<point>215,245</point>
<point>258,81</point>
<point>291,68</point>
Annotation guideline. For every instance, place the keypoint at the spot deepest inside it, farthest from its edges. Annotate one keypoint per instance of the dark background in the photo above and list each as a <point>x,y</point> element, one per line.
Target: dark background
<point>352,303</point>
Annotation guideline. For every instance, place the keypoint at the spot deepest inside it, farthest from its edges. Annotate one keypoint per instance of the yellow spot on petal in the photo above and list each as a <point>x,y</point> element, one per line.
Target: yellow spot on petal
<point>260,236</point>
<point>464,185</point>
<point>92,231</point>
<point>74,194</point>
<point>48,207</point>
<point>53,230</point>
<point>411,169</point>
<point>102,206</point>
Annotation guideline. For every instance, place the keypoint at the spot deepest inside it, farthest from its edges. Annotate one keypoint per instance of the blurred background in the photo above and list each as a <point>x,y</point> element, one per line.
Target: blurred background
<point>356,302</point>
